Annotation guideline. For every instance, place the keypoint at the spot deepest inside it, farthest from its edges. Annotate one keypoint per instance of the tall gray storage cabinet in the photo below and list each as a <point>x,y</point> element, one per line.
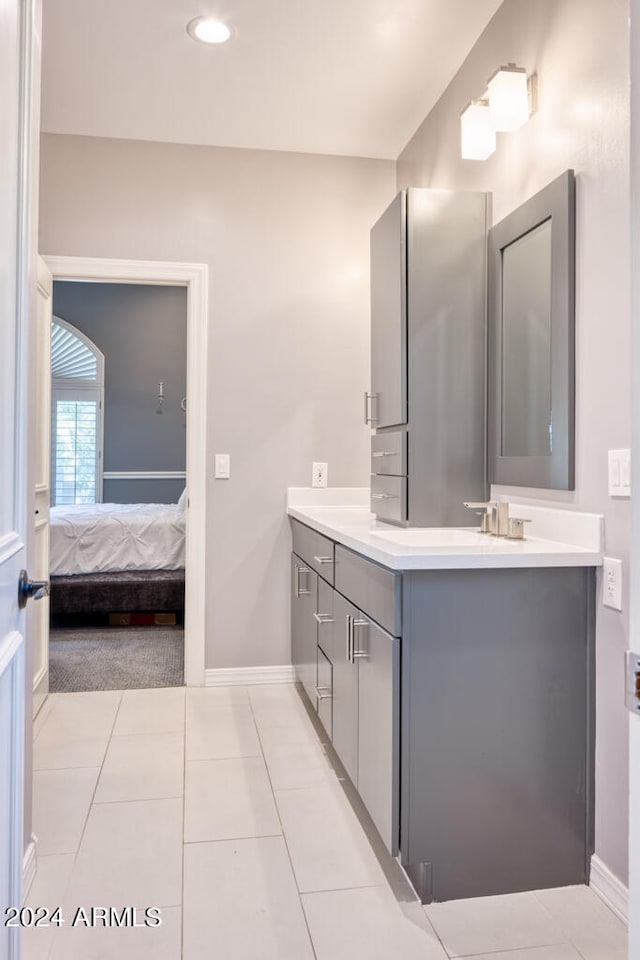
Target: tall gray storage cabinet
<point>428,357</point>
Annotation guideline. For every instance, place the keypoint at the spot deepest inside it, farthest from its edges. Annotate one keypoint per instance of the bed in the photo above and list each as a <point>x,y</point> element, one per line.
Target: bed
<point>112,557</point>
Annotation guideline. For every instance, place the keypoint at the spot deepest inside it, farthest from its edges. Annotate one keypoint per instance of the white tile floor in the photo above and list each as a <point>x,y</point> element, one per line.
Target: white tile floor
<point>220,807</point>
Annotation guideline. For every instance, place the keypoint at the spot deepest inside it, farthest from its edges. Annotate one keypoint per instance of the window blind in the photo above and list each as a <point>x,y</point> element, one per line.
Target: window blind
<point>75,449</point>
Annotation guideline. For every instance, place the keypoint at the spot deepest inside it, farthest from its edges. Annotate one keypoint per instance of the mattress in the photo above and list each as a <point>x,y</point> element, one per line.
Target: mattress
<point>106,537</point>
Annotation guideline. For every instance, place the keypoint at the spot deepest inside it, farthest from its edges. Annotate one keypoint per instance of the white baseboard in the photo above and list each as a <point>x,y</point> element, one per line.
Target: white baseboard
<point>29,865</point>
<point>231,676</point>
<point>609,888</point>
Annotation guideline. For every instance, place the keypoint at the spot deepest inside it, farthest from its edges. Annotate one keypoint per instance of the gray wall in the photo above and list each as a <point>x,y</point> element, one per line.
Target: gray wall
<point>286,238</point>
<point>579,49</point>
<point>142,331</point>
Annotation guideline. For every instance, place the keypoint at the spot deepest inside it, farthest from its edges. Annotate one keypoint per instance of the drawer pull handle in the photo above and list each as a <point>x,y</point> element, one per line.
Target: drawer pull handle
<point>323,693</point>
<point>322,560</point>
<point>299,591</point>
<point>383,496</point>
<point>368,418</point>
<point>385,453</point>
<point>323,618</point>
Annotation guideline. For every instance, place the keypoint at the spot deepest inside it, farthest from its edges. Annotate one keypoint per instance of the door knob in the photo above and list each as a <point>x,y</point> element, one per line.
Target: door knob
<point>31,588</point>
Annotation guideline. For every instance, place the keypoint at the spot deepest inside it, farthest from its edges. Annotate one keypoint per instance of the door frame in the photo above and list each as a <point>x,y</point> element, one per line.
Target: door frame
<point>193,276</point>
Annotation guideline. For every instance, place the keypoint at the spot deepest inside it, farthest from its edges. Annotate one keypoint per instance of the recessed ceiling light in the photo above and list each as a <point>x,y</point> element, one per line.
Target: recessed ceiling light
<point>208,30</point>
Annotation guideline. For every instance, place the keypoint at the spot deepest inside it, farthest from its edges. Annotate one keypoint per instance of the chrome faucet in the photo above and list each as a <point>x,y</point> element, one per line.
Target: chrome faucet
<point>495,517</point>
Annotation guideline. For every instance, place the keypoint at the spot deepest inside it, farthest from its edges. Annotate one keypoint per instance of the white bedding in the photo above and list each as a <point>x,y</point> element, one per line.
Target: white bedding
<point>106,537</point>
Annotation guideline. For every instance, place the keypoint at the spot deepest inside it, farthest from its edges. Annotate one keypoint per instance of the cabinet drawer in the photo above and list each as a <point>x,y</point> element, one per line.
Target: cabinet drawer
<point>324,691</point>
<point>315,550</point>
<point>389,498</point>
<point>389,453</point>
<point>373,589</point>
<point>325,619</point>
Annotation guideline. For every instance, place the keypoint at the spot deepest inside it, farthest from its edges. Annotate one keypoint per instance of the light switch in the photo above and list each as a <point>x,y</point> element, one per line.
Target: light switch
<point>222,466</point>
<point>612,583</point>
<point>619,473</point>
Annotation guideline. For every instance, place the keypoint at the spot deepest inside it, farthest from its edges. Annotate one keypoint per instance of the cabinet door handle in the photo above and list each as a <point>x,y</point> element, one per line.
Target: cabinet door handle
<point>358,654</point>
<point>322,560</point>
<point>383,496</point>
<point>385,453</point>
<point>349,637</point>
<point>367,416</point>
<point>299,591</point>
<point>323,693</point>
<point>323,618</point>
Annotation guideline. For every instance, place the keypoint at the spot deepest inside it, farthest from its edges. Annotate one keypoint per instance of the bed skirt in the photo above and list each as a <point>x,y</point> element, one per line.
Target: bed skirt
<point>132,590</point>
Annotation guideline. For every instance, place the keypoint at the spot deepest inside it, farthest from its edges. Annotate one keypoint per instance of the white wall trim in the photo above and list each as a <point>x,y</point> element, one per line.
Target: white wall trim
<point>232,676</point>
<point>144,475</point>
<point>29,865</point>
<point>193,276</point>
<point>609,888</point>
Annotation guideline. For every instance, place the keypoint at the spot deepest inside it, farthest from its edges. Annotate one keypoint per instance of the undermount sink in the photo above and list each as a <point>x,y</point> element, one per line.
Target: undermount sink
<point>439,537</point>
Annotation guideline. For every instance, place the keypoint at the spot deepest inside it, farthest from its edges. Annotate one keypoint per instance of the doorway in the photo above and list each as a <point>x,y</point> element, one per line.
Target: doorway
<point>117,484</point>
<point>193,277</point>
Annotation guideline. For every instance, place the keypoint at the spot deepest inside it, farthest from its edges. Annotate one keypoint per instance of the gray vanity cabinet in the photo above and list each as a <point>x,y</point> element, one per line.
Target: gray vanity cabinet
<point>304,602</point>
<point>345,688</point>
<point>498,730</point>
<point>325,619</point>
<point>349,665</point>
<point>325,692</point>
<point>472,752</point>
<point>428,357</point>
<point>386,406</point>
<point>378,659</point>
<point>366,679</point>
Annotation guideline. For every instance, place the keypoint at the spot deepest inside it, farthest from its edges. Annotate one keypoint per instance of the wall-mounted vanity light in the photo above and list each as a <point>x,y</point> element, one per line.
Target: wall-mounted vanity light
<point>477,135</point>
<point>509,98</point>
<point>509,101</point>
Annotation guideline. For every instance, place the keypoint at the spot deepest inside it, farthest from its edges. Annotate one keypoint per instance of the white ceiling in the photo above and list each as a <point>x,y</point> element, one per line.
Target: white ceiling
<point>352,77</point>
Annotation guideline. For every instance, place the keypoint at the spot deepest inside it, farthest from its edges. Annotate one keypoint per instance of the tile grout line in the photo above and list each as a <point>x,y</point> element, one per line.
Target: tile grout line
<point>260,836</point>
<point>243,756</point>
<point>284,837</point>
<point>104,757</point>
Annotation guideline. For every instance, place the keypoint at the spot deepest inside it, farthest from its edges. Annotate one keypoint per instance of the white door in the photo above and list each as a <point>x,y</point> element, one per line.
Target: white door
<point>42,499</point>
<point>14,244</point>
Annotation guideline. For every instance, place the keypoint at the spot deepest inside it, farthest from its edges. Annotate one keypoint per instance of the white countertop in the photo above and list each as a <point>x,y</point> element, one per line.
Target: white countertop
<point>403,548</point>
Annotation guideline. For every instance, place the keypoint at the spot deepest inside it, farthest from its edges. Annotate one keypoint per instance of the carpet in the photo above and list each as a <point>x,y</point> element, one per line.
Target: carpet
<point>120,658</point>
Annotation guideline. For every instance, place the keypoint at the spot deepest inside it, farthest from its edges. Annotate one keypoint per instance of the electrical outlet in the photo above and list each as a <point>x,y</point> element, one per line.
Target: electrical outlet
<point>319,474</point>
<point>612,583</point>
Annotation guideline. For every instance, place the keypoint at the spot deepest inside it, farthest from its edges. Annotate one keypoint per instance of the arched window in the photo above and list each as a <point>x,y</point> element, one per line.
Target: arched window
<point>77,399</point>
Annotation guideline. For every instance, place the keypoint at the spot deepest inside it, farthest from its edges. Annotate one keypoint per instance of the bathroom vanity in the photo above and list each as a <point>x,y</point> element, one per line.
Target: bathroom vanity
<point>453,673</point>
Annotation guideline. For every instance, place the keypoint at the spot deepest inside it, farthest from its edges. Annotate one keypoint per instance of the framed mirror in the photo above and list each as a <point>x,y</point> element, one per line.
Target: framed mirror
<point>531,381</point>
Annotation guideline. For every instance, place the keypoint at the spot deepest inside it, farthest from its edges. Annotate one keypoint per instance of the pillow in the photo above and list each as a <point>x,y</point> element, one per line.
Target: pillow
<point>182,502</point>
